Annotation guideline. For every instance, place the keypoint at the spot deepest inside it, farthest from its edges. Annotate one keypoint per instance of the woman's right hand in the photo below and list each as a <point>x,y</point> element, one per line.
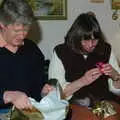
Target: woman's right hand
<point>19,99</point>
<point>90,76</point>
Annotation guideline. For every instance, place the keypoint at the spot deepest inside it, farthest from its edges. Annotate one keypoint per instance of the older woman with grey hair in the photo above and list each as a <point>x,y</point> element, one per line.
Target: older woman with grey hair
<point>21,61</point>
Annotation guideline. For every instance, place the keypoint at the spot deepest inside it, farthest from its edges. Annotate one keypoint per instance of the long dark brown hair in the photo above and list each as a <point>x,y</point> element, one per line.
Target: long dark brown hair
<point>83,27</point>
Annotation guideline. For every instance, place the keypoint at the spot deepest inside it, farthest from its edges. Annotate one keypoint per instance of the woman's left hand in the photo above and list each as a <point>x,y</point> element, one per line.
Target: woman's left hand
<point>107,69</point>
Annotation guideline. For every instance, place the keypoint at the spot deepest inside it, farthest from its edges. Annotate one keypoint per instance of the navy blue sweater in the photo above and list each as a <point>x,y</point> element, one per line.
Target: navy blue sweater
<point>23,70</point>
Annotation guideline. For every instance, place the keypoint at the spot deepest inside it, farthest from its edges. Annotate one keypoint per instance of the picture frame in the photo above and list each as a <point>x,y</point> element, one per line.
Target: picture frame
<point>49,9</point>
<point>115,4</point>
<point>96,1</point>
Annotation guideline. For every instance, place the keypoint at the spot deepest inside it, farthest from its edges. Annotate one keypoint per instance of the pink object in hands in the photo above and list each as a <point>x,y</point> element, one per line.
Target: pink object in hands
<point>99,65</point>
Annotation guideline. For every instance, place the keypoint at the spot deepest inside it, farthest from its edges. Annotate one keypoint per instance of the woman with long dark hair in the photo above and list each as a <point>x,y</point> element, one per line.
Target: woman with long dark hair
<point>85,66</point>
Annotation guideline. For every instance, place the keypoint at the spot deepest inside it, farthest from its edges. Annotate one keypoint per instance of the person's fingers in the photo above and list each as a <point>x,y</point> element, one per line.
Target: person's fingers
<point>22,102</point>
<point>27,104</point>
<point>107,70</point>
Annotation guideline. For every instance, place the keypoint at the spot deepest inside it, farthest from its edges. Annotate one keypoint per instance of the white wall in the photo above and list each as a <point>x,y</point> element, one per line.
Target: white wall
<point>55,30</point>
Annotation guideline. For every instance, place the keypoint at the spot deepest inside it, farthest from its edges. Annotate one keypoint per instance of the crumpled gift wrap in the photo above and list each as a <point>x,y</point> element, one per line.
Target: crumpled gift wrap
<point>26,114</point>
<point>103,109</point>
<point>52,107</point>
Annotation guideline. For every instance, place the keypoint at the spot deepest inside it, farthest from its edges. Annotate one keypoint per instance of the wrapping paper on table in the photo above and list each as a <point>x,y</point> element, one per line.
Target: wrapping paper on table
<point>103,109</point>
<point>26,114</point>
<point>51,107</point>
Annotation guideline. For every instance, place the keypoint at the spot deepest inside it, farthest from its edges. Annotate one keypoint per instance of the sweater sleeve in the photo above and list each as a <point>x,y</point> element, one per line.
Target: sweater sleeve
<point>56,70</point>
<point>1,98</point>
<point>114,63</point>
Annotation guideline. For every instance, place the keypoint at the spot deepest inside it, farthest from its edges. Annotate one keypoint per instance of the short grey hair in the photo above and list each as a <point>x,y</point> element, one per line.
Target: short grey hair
<point>16,11</point>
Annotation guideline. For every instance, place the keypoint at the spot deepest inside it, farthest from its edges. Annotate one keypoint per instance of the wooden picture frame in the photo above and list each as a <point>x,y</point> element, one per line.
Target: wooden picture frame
<point>96,1</point>
<point>115,4</point>
<point>49,9</point>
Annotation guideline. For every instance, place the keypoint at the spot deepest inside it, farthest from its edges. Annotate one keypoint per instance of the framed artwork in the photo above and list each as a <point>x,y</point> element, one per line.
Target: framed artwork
<point>49,9</point>
<point>96,1</point>
<point>115,4</point>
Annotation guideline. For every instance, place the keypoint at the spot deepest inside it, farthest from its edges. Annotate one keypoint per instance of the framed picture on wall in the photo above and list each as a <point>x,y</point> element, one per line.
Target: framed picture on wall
<point>96,1</point>
<point>115,4</point>
<point>49,9</point>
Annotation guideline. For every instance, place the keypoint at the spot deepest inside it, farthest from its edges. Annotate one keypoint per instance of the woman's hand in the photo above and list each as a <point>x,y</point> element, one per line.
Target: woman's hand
<point>107,69</point>
<point>19,99</point>
<point>46,89</point>
<point>90,76</point>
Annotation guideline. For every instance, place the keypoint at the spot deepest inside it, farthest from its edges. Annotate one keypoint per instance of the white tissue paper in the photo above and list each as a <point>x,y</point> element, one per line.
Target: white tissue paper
<point>51,106</point>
